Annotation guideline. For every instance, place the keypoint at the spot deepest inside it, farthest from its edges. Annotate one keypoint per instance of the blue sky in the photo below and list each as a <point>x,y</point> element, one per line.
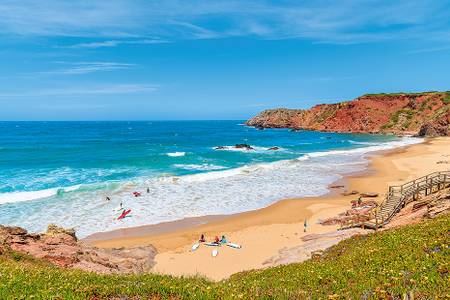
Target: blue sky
<point>149,60</point>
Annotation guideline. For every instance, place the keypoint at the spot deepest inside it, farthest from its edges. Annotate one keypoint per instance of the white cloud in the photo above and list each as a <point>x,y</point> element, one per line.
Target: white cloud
<point>76,68</point>
<point>85,90</point>
<point>114,43</point>
<point>345,21</point>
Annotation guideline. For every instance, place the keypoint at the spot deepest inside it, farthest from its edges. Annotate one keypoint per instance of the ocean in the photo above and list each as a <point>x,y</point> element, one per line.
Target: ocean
<point>62,172</point>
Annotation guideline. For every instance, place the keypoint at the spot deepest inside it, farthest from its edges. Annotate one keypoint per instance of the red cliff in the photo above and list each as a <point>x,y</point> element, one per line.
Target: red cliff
<point>418,113</point>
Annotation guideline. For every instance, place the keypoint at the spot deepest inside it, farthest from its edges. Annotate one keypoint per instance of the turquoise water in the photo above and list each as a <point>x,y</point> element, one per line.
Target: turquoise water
<point>65,170</point>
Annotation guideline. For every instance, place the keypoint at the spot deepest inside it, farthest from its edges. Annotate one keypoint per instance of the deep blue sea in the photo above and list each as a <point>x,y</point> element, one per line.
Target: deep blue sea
<point>61,172</point>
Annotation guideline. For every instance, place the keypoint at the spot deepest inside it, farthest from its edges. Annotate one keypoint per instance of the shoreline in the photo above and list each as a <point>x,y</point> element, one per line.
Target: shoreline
<point>268,232</point>
<point>192,222</point>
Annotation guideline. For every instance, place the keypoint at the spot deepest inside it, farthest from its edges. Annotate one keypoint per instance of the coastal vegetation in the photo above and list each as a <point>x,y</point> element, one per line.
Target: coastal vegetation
<point>410,262</point>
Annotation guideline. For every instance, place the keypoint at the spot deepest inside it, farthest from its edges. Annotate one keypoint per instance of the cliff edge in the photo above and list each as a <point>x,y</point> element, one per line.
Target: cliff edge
<point>425,114</point>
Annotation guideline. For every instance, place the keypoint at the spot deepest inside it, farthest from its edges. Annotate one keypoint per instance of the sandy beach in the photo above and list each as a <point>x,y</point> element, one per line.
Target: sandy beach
<point>267,232</point>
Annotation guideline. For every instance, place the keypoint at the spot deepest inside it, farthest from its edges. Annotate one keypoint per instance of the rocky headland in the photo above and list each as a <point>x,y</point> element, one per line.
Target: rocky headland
<point>60,247</point>
<point>423,114</point>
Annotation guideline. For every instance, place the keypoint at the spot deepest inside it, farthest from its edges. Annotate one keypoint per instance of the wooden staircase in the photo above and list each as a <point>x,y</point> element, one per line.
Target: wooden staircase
<point>399,196</point>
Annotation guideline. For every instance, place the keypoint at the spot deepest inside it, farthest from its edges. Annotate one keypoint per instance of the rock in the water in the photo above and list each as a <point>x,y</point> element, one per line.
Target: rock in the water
<point>243,146</point>
<point>336,186</point>
<point>273,148</point>
<point>220,148</point>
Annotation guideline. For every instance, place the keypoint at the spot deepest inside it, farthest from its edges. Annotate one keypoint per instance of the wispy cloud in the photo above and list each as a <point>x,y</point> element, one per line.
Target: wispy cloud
<point>77,68</point>
<point>430,49</point>
<point>114,43</point>
<point>117,21</point>
<point>84,90</point>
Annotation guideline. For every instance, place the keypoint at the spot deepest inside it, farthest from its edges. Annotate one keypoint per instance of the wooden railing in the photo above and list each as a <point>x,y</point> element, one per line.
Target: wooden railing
<point>399,196</point>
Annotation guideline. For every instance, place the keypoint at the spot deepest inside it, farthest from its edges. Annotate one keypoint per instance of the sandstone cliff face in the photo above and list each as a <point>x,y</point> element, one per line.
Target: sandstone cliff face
<point>378,113</point>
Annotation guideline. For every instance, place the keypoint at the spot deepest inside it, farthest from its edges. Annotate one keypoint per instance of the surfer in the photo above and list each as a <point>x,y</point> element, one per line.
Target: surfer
<point>108,199</point>
<point>202,238</point>
<point>223,240</point>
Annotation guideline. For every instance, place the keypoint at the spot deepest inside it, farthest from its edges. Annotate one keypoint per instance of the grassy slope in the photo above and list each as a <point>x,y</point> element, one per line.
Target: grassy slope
<point>413,259</point>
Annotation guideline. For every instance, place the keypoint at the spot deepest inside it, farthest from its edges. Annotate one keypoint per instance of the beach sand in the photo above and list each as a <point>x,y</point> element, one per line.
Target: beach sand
<point>266,232</point>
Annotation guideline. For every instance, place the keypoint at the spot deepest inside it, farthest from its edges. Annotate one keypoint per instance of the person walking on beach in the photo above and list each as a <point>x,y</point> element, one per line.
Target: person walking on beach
<point>305,225</point>
<point>148,191</point>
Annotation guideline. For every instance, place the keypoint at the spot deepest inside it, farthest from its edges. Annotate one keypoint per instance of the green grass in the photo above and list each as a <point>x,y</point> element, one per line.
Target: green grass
<point>446,99</point>
<point>413,260</point>
<point>403,93</point>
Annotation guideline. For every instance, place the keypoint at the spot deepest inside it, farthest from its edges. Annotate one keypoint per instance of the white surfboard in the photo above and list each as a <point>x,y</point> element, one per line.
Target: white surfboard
<point>215,252</point>
<point>195,246</point>
<point>236,246</point>
<point>212,244</point>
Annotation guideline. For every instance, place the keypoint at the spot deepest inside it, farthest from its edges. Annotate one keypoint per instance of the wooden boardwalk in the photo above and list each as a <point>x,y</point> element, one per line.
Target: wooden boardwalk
<point>399,196</point>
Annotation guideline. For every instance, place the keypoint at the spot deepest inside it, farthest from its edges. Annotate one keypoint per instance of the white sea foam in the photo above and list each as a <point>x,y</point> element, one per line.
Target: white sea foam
<point>34,195</point>
<point>215,192</point>
<point>176,154</point>
<point>362,143</point>
<point>202,167</point>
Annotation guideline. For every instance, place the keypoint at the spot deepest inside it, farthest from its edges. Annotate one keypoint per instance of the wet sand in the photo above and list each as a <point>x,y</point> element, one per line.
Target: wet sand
<point>266,232</point>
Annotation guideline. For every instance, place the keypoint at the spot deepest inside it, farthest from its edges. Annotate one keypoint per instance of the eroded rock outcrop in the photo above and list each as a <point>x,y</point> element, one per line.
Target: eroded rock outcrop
<point>61,247</point>
<point>400,113</point>
<point>439,127</point>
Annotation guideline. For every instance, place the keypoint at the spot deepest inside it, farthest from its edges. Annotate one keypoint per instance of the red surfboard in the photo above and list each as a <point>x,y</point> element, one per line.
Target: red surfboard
<point>124,214</point>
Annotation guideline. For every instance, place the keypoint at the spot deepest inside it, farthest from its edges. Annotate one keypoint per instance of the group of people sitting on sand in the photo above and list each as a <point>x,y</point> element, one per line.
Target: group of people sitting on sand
<point>222,240</point>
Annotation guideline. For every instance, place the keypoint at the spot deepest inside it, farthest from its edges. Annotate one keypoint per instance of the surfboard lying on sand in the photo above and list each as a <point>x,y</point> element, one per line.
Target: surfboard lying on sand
<point>236,246</point>
<point>124,214</point>
<point>212,244</point>
<point>195,246</point>
<point>215,252</point>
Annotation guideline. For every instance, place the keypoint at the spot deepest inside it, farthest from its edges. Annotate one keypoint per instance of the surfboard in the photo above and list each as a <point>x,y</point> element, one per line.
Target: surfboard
<point>236,246</point>
<point>195,247</point>
<point>124,214</point>
<point>215,252</point>
<point>212,244</point>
